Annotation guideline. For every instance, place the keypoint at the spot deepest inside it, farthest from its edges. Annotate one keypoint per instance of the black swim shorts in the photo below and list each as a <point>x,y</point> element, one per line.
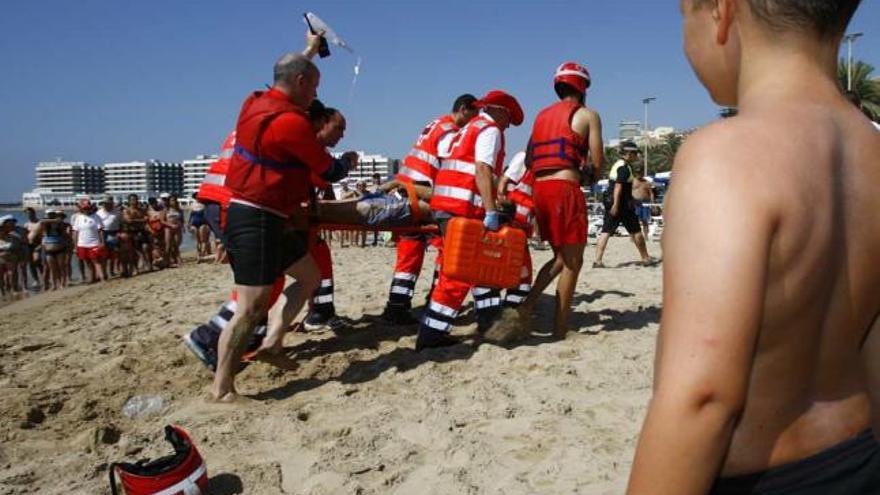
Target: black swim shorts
<point>260,247</point>
<point>848,468</point>
<point>626,216</point>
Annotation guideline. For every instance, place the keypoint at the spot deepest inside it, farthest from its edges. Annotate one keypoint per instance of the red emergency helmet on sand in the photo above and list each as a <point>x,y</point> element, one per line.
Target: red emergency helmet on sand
<point>181,473</point>
<point>573,74</point>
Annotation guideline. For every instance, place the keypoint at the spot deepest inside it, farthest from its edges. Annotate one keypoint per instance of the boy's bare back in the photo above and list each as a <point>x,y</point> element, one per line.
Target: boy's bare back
<point>817,171</point>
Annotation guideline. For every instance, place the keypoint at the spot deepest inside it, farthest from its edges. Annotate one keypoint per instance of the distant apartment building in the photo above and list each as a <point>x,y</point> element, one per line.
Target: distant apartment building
<point>194,172</point>
<point>63,183</point>
<point>629,129</point>
<point>372,164</point>
<point>145,178</point>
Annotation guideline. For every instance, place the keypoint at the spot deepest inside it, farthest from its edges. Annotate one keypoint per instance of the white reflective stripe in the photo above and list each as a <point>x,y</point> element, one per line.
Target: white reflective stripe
<point>524,188</point>
<point>459,166</point>
<point>216,179</point>
<point>437,324</point>
<point>396,289</point>
<point>231,306</point>
<point>488,303</point>
<point>327,282</point>
<point>523,210</point>
<point>220,322</point>
<point>569,72</point>
<point>479,291</point>
<point>459,193</point>
<point>414,174</point>
<point>406,276</point>
<point>514,298</point>
<point>323,299</point>
<point>524,287</point>
<point>187,486</point>
<point>443,310</point>
<point>425,157</point>
<point>227,153</point>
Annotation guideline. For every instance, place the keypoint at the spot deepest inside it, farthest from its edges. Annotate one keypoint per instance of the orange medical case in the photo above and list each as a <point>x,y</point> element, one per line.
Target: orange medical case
<point>483,258</point>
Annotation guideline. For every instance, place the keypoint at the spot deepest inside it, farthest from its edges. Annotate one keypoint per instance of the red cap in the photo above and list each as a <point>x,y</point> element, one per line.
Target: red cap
<point>498,98</point>
<point>575,75</point>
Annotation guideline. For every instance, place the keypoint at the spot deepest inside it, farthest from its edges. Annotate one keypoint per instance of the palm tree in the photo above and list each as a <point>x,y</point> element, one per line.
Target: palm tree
<point>865,88</point>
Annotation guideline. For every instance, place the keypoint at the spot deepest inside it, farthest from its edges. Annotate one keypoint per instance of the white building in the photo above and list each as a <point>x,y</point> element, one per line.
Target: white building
<point>144,178</point>
<point>63,183</point>
<point>194,173</point>
<point>372,164</point>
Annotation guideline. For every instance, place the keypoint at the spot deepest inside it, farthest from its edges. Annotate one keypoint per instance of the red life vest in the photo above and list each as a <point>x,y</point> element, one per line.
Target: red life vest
<point>422,162</point>
<point>213,187</point>
<point>280,183</point>
<point>553,144</point>
<point>455,187</point>
<point>521,196</point>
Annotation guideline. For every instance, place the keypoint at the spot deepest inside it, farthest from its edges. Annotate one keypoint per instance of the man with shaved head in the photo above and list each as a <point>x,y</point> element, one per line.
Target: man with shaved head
<point>767,372</point>
<point>276,155</point>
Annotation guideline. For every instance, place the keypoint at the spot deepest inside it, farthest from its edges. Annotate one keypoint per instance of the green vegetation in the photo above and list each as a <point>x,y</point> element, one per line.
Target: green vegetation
<point>866,88</point>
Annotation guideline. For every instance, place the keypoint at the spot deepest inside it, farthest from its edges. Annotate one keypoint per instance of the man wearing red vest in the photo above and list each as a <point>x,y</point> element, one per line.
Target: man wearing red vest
<point>563,136</point>
<point>464,187</point>
<point>420,167</point>
<point>270,176</point>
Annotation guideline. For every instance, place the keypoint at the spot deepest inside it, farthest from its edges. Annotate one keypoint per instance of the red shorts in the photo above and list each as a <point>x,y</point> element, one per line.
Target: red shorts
<point>97,253</point>
<point>561,212</point>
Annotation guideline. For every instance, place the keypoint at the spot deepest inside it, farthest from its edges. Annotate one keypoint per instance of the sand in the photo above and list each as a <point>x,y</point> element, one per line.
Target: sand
<point>363,413</point>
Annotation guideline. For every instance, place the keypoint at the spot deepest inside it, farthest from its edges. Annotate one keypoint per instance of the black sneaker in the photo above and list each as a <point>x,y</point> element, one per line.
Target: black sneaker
<point>398,315</point>
<point>429,339</point>
<point>316,321</point>
<point>200,349</point>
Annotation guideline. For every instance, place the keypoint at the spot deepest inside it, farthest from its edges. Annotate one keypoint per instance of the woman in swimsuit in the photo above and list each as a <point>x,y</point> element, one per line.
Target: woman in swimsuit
<point>156,228</point>
<point>54,249</point>
<point>199,227</point>
<point>173,231</point>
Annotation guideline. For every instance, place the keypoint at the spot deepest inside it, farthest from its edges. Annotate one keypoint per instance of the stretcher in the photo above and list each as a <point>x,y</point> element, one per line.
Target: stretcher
<point>416,227</point>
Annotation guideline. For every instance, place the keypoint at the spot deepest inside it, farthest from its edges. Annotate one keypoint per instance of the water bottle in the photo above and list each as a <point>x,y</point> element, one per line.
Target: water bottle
<point>143,405</point>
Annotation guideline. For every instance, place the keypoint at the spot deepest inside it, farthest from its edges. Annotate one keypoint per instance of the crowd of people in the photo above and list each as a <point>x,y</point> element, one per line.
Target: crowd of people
<point>104,241</point>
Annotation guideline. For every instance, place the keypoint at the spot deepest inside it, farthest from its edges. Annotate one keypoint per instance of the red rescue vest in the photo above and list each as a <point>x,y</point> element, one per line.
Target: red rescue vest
<point>553,144</point>
<point>277,185</point>
<point>422,162</point>
<point>213,187</point>
<point>455,187</point>
<point>521,197</point>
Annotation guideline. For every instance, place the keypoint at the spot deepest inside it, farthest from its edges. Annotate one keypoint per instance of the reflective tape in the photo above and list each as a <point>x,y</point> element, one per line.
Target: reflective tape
<point>327,282</point>
<point>326,299</point>
<point>514,298</point>
<point>459,193</point>
<point>406,276</point>
<point>216,179</point>
<point>488,303</point>
<point>442,309</point>
<point>425,157</point>
<point>414,174</point>
<point>396,289</point>
<point>437,324</point>
<point>459,166</point>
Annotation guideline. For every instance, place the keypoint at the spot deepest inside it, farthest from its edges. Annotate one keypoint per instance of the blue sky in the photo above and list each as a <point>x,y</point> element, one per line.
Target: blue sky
<point>102,80</point>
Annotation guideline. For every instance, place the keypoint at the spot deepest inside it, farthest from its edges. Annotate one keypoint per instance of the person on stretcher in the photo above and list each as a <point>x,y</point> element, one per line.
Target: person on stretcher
<point>389,207</point>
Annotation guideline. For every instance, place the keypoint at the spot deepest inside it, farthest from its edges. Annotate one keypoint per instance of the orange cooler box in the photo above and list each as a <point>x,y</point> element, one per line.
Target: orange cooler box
<point>483,258</point>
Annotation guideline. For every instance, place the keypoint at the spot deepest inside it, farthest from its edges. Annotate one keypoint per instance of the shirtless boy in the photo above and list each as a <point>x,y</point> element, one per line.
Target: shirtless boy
<point>769,351</point>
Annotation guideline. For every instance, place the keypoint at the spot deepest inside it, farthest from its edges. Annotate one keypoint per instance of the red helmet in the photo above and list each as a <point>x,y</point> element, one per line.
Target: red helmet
<point>573,74</point>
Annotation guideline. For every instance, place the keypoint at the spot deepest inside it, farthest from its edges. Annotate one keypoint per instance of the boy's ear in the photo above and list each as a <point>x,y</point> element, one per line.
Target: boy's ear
<point>723,14</point>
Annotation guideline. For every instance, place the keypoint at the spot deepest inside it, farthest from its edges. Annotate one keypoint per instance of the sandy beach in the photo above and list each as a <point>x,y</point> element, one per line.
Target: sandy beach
<point>363,413</point>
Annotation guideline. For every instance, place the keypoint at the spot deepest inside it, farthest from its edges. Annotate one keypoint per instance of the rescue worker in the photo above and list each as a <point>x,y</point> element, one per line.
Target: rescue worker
<point>322,312</point>
<point>270,175</point>
<point>420,167</point>
<point>464,187</point>
<point>563,137</point>
<point>516,186</point>
<point>214,194</point>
